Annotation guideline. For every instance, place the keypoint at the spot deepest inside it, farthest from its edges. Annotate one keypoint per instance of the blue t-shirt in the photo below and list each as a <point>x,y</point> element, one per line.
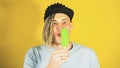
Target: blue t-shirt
<point>80,57</point>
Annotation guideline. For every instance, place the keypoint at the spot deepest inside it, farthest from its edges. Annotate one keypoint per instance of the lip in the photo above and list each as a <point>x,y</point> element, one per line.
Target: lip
<point>58,34</point>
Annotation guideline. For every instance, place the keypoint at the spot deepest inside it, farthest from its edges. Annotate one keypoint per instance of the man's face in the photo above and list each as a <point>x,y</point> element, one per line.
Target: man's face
<point>60,21</point>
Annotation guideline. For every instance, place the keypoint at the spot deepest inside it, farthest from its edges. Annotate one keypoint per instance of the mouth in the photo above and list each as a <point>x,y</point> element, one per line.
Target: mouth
<point>58,34</point>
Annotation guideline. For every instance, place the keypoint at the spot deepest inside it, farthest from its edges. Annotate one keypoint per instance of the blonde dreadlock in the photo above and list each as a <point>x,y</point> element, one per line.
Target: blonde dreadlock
<point>47,30</point>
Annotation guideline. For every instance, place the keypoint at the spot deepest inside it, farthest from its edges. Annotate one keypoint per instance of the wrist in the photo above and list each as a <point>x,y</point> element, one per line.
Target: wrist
<point>53,65</point>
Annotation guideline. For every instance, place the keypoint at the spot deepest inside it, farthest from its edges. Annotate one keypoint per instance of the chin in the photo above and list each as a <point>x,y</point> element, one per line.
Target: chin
<point>58,41</point>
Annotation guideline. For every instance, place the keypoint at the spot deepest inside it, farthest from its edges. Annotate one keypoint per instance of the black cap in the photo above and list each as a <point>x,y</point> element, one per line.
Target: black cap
<point>58,8</point>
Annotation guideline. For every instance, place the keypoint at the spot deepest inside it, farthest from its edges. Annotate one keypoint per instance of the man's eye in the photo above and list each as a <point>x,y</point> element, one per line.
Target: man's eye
<point>54,23</point>
<point>64,22</point>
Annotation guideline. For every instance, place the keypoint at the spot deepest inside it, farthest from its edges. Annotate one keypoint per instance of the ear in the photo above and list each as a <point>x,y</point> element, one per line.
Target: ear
<point>71,25</point>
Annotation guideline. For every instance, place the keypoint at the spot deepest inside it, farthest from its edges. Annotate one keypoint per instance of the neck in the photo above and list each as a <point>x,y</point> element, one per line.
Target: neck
<point>59,46</point>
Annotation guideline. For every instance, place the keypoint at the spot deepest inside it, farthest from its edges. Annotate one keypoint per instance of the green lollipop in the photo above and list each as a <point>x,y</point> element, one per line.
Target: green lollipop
<point>64,39</point>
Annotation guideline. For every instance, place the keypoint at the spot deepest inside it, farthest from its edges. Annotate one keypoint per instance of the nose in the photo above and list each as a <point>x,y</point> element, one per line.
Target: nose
<point>59,27</point>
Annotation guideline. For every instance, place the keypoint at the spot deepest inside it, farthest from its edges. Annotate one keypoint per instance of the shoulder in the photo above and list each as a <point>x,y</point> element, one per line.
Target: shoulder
<point>84,49</point>
<point>35,50</point>
<point>38,47</point>
<point>88,54</point>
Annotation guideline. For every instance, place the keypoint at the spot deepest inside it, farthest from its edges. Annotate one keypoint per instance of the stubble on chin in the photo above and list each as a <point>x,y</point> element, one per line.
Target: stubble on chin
<point>55,41</point>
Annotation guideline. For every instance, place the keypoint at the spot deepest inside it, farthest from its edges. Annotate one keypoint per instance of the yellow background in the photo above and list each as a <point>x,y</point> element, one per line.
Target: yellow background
<point>96,25</point>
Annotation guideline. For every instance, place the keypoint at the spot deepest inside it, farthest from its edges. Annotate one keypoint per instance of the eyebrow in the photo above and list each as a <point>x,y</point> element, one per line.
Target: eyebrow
<point>62,19</point>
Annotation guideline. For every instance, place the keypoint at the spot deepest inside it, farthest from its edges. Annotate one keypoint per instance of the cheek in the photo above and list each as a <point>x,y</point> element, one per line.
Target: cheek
<point>68,27</point>
<point>54,30</point>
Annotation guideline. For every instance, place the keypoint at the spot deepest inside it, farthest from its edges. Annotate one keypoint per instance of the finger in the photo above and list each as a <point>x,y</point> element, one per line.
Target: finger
<point>62,61</point>
<point>64,58</point>
<point>60,51</point>
<point>65,48</point>
<point>62,55</point>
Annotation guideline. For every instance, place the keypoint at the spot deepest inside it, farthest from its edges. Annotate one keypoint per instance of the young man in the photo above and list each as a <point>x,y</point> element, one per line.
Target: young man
<point>52,54</point>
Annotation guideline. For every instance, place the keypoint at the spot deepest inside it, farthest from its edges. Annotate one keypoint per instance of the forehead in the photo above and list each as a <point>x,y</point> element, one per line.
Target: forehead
<point>60,16</point>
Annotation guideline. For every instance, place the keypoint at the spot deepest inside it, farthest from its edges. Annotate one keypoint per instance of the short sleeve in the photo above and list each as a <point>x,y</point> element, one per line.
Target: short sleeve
<point>94,63</point>
<point>30,59</point>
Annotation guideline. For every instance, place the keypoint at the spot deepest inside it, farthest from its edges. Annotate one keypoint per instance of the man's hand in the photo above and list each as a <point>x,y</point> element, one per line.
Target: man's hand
<point>57,58</point>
